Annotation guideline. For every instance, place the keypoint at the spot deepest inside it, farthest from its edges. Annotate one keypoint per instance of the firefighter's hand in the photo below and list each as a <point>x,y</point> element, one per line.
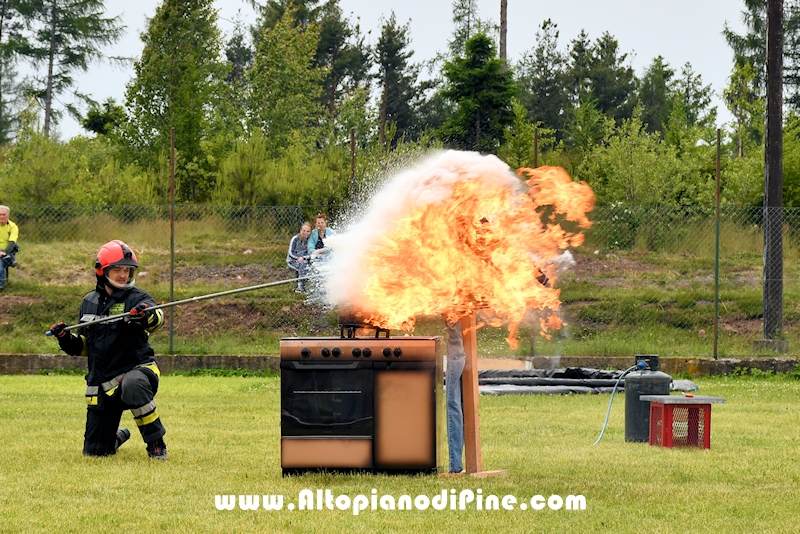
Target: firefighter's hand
<point>141,311</point>
<point>57,330</point>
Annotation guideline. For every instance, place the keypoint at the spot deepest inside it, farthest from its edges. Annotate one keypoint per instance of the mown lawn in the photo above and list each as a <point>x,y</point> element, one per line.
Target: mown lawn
<point>223,438</point>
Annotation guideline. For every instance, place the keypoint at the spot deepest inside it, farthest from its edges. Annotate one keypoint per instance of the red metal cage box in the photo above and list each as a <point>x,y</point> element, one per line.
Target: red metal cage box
<point>680,421</point>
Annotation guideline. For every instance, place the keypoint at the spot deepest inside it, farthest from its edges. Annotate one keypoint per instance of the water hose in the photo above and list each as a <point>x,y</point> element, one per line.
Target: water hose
<point>641,365</point>
<point>122,316</point>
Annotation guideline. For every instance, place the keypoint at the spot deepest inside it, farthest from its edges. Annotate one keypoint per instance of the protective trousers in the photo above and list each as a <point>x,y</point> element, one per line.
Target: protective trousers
<point>135,392</point>
<point>456,359</point>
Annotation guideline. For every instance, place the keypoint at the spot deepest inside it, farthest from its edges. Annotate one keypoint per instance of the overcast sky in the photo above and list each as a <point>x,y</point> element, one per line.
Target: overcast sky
<point>679,30</point>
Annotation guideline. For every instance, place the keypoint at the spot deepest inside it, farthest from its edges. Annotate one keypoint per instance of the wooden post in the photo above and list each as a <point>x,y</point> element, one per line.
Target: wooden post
<point>469,392</point>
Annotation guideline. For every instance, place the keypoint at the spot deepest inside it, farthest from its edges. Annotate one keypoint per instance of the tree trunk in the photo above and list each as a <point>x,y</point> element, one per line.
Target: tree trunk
<point>503,32</point>
<point>48,99</point>
<point>2,63</point>
<point>384,104</point>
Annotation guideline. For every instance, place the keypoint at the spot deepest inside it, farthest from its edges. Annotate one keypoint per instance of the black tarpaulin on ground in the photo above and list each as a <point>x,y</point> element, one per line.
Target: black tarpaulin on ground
<point>557,381</point>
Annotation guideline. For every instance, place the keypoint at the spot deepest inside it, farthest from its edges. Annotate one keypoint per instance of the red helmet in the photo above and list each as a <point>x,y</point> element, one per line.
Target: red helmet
<point>116,253</point>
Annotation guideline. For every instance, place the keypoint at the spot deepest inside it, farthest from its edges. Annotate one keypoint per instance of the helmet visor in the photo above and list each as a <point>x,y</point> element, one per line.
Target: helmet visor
<point>121,276</point>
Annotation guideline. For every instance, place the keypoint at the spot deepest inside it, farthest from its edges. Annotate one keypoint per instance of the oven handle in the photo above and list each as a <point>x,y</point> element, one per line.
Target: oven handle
<point>326,366</point>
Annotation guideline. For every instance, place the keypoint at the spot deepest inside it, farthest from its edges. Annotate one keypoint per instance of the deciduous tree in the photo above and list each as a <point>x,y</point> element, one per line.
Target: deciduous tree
<point>179,83</point>
<point>285,84</point>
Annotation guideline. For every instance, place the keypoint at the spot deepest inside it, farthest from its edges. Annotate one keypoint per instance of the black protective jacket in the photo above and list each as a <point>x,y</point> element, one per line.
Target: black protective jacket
<point>115,347</point>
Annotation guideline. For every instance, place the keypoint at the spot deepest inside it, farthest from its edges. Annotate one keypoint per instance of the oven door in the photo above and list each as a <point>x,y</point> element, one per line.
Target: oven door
<point>330,399</point>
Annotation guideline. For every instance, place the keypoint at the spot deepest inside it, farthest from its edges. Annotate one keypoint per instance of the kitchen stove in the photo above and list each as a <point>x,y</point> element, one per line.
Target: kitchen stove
<point>362,403</point>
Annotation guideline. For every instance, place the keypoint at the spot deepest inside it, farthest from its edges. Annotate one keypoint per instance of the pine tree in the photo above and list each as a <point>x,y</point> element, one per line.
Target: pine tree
<point>10,44</point>
<point>482,93</point>
<point>655,94</point>
<point>397,78</point>
<point>541,79</point>
<point>597,72</point>
<point>751,47</point>
<point>66,37</point>
<point>178,83</point>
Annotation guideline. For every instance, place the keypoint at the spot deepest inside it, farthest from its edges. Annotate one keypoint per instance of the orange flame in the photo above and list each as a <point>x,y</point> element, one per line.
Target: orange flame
<point>483,244</point>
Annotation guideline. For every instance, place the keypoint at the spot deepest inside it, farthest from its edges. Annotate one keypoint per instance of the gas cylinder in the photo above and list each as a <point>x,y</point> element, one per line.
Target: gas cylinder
<point>650,381</point>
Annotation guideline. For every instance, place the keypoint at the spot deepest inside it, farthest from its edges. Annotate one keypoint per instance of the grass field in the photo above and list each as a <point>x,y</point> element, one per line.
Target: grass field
<point>223,438</point>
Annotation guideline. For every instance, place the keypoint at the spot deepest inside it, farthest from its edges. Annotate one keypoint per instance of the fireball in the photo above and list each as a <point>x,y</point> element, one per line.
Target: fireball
<point>458,233</point>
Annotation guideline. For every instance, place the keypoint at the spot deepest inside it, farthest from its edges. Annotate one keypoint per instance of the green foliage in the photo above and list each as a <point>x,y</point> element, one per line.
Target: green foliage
<point>482,92</point>
<point>639,169</point>
<point>791,162</point>
<point>285,86</point>
<point>250,176</point>
<point>179,82</point>
<point>40,170</point>
<point>103,119</point>
<point>519,140</point>
<point>597,72</point>
<point>587,128</point>
<point>748,109</point>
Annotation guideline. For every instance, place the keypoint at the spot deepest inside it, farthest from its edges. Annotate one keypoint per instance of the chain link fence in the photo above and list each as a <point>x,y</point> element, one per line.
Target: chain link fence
<point>647,279</point>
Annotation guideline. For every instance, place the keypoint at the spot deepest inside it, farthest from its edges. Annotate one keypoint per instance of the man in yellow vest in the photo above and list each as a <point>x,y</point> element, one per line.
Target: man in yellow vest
<point>9,233</point>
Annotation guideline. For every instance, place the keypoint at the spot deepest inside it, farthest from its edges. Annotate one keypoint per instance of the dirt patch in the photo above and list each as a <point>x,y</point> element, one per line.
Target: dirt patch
<point>11,303</point>
<point>586,266</point>
<point>203,319</point>
<point>238,276</point>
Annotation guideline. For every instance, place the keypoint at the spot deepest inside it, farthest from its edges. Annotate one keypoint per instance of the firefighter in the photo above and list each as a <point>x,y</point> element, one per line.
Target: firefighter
<point>122,370</point>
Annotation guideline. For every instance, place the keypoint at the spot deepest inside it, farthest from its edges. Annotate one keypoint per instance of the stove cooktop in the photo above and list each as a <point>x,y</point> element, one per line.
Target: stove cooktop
<point>412,348</point>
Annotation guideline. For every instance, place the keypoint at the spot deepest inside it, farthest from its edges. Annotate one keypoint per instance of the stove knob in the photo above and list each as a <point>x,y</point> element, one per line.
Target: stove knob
<point>387,352</point>
<point>367,352</point>
<point>397,352</point>
<point>356,352</point>
<point>337,352</point>
<point>326,352</point>
<point>305,353</point>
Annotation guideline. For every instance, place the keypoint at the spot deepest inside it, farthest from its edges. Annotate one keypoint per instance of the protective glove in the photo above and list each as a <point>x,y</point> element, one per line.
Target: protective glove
<point>140,311</point>
<point>57,330</point>
<point>69,343</point>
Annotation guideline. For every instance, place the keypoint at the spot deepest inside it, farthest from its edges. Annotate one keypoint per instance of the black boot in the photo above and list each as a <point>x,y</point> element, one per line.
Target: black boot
<point>123,434</point>
<point>157,450</point>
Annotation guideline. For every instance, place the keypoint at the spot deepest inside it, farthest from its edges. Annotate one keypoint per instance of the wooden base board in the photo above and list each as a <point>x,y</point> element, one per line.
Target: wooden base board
<point>479,474</point>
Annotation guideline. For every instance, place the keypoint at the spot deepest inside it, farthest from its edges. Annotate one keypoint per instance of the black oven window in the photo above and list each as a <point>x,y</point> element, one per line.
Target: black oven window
<point>326,402</point>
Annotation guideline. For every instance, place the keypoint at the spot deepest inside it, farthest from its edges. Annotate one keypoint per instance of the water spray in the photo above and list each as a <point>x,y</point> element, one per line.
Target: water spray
<point>122,316</point>
<point>641,365</point>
